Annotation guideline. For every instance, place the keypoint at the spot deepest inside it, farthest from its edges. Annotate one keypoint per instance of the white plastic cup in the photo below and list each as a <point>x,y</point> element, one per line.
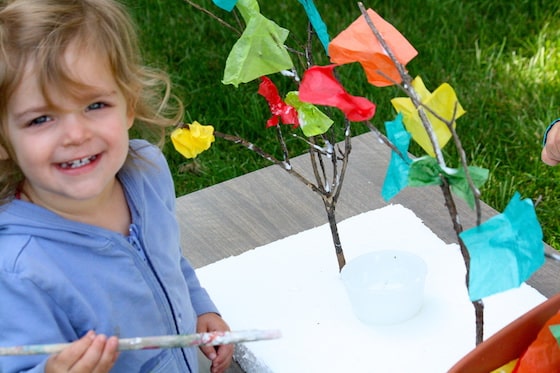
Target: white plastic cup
<point>386,286</point>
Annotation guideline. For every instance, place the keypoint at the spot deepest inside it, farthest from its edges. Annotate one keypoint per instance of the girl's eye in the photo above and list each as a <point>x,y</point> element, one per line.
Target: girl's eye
<point>39,120</point>
<point>97,106</point>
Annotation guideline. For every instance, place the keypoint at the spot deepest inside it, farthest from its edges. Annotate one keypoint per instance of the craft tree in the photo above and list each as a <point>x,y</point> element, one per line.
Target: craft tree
<point>499,254</point>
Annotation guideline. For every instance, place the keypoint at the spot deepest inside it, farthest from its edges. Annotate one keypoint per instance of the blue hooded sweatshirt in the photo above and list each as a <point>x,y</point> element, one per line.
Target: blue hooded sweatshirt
<point>60,278</point>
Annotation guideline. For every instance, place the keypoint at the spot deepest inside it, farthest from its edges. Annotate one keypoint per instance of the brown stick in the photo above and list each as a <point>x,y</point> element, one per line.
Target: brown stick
<point>446,190</point>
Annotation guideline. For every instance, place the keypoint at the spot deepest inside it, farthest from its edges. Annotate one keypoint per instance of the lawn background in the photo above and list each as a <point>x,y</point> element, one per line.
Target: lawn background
<point>501,57</point>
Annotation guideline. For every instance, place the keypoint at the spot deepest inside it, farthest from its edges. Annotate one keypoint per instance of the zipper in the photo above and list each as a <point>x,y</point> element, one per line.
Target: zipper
<point>134,239</point>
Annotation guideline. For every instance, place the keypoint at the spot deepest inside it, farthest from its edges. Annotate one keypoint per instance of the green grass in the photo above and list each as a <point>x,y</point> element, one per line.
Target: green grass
<point>501,57</point>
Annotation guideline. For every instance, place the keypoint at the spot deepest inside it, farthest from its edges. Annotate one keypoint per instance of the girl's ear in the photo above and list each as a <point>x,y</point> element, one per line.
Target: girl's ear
<point>130,116</point>
<point>3,154</point>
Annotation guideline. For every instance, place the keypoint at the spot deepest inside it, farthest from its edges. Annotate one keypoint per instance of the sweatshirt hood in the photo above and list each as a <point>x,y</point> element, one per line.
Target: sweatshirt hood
<point>22,218</point>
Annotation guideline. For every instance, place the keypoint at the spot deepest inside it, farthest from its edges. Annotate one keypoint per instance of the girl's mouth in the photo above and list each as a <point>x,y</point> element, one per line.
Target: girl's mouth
<point>78,162</point>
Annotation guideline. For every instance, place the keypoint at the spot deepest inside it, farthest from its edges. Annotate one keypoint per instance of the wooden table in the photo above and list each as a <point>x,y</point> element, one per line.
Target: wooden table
<point>266,205</point>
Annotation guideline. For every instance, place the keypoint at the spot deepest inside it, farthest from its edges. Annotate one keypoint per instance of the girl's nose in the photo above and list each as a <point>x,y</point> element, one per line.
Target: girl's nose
<point>76,131</point>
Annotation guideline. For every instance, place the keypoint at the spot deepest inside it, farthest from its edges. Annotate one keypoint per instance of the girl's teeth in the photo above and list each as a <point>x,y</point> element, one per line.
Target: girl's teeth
<point>78,162</point>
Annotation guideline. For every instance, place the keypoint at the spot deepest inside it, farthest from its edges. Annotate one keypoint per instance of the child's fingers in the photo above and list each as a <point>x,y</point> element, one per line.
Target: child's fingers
<point>209,352</point>
<point>548,158</point>
<point>223,359</point>
<point>551,150</point>
<point>108,356</point>
<point>67,358</point>
<point>89,360</point>
<point>91,354</point>
<point>99,357</point>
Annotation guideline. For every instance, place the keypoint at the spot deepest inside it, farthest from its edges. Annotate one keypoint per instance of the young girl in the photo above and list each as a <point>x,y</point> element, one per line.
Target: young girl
<point>89,244</point>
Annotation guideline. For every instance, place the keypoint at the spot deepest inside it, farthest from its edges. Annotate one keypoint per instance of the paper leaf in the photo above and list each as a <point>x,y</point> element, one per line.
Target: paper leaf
<point>279,109</point>
<point>193,139</point>
<point>248,9</point>
<point>543,354</point>
<point>313,122</point>
<point>225,4</point>
<point>555,330</point>
<point>259,51</point>
<point>426,171</point>
<point>396,178</point>
<point>358,44</point>
<point>442,101</point>
<point>460,185</point>
<point>505,250</point>
<point>317,22</point>
<point>320,87</point>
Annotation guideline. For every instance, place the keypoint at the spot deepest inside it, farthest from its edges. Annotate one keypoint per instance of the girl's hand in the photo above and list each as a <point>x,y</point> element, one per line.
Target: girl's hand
<point>92,354</point>
<point>219,355</point>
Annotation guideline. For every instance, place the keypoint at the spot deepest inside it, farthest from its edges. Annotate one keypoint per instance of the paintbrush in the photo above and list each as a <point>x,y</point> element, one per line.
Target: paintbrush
<point>166,341</point>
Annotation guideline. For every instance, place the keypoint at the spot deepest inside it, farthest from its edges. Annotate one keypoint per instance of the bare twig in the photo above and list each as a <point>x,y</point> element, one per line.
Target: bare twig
<point>224,23</point>
<point>384,139</point>
<point>260,152</point>
<point>345,157</point>
<point>309,46</point>
<point>463,157</point>
<point>317,165</point>
<point>283,146</point>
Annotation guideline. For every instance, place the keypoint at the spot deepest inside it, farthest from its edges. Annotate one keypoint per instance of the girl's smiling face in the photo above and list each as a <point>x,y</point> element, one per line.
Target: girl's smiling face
<point>70,147</point>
